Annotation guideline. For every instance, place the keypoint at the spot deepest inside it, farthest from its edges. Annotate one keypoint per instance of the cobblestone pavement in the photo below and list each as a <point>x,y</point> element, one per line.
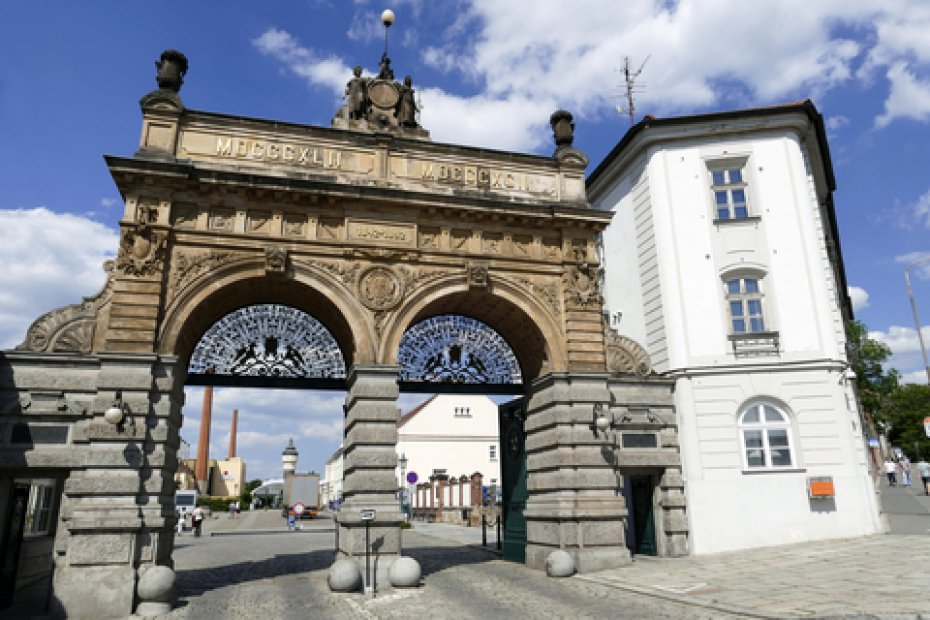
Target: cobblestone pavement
<point>241,574</point>
<point>251,567</point>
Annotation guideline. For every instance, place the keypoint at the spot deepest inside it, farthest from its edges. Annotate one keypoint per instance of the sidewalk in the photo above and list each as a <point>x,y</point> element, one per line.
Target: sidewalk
<point>882,576</point>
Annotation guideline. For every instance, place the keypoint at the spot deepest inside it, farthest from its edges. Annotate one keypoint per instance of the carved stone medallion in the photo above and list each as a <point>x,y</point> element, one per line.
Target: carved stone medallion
<point>582,285</point>
<point>379,288</point>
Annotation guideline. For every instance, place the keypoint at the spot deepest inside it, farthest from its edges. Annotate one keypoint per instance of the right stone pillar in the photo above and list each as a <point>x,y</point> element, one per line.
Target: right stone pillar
<point>574,475</point>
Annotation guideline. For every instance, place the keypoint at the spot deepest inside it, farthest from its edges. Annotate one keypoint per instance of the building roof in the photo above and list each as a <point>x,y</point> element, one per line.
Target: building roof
<point>806,107</point>
<point>407,416</point>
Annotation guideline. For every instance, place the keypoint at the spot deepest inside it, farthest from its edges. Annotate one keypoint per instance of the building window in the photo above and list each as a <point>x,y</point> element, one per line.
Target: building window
<point>744,297</point>
<point>39,509</point>
<point>462,412</point>
<point>728,186</point>
<point>492,452</point>
<point>765,433</point>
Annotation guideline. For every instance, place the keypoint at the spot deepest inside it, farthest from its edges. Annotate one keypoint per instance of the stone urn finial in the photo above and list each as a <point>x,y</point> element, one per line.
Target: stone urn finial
<point>171,70</point>
<point>563,129</point>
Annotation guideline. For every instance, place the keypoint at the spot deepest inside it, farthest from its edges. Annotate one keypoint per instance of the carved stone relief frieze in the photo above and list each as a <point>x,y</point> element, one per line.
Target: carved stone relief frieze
<point>72,328</point>
<point>184,217</point>
<point>522,245</point>
<point>186,267</point>
<point>142,251</point>
<point>294,227</point>
<point>347,272</point>
<point>547,292</point>
<point>552,249</point>
<point>147,211</point>
<point>492,243</point>
<point>221,220</point>
<point>460,239</point>
<point>625,355</point>
<point>428,238</point>
<point>329,229</point>
<point>258,222</point>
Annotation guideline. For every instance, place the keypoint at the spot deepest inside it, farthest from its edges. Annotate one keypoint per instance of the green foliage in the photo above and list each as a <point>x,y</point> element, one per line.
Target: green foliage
<point>908,406</point>
<point>245,499</point>
<point>875,384</point>
<point>216,504</point>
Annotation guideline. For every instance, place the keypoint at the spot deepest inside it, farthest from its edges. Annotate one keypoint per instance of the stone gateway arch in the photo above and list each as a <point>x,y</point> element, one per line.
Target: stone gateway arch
<point>371,228</point>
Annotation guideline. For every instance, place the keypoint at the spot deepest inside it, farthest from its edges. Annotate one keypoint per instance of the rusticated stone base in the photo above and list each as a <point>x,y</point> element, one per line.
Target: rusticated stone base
<point>92,592</point>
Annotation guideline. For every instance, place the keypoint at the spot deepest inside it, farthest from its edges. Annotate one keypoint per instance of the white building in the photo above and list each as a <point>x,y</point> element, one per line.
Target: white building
<point>451,434</point>
<point>331,485</point>
<point>723,260</point>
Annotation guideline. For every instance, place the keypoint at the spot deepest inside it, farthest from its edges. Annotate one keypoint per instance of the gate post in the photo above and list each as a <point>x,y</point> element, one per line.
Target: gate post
<point>117,508</point>
<point>573,502</point>
<point>370,482</point>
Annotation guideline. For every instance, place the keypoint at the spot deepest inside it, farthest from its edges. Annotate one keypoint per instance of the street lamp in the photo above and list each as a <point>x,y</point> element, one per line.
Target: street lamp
<point>403,482</point>
<point>910,295</point>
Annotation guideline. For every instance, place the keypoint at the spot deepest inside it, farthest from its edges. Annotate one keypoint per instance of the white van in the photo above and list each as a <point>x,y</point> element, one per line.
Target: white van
<point>185,501</point>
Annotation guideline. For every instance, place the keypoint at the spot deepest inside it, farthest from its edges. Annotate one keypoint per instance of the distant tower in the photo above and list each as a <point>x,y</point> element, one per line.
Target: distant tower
<point>203,445</point>
<point>289,458</point>
<point>232,434</point>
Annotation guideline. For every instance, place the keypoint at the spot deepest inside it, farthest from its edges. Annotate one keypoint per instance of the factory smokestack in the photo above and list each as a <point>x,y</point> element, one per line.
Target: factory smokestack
<point>203,444</point>
<point>232,434</point>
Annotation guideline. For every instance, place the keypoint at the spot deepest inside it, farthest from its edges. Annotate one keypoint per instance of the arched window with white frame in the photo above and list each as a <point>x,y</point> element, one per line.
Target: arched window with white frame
<point>766,437</point>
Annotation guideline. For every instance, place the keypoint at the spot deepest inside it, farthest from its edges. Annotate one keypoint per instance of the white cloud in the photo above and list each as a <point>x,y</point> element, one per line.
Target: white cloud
<point>922,210</point>
<point>836,122</point>
<point>917,376</point>
<point>329,72</point>
<point>108,202</point>
<point>859,297</point>
<point>49,260</point>
<point>905,348</point>
<point>526,59</point>
<point>909,97</point>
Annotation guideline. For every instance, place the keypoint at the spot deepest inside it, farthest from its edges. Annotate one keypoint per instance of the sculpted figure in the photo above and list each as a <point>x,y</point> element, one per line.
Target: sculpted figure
<point>406,105</point>
<point>386,72</point>
<point>357,94</point>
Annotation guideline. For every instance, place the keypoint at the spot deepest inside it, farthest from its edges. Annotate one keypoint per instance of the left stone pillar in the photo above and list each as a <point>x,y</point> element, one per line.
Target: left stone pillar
<point>370,480</point>
<point>118,509</point>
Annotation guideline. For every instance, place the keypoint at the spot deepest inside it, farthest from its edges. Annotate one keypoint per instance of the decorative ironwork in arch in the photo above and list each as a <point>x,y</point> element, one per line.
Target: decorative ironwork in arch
<point>451,348</point>
<point>268,340</point>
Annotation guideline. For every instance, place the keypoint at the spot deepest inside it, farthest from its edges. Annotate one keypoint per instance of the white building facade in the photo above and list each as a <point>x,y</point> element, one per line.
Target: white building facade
<point>331,485</point>
<point>723,261</point>
<point>453,435</point>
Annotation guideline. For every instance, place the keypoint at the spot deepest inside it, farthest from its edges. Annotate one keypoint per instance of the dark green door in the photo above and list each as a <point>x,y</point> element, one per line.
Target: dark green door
<point>513,479</point>
<point>642,530</point>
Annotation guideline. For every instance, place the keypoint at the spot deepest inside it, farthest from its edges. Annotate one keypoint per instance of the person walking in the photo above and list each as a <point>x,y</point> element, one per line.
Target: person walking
<point>197,520</point>
<point>891,470</point>
<point>923,468</point>
<point>905,471</point>
<point>181,518</point>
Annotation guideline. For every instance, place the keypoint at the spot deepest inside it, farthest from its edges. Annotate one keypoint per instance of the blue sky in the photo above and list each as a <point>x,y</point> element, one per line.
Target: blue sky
<point>489,74</point>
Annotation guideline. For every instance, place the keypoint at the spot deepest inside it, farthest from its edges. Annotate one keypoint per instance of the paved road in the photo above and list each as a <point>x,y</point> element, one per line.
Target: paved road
<point>241,573</point>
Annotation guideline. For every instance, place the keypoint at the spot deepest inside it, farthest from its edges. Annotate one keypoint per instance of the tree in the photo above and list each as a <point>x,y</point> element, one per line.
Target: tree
<point>875,384</point>
<point>245,499</point>
<point>908,406</point>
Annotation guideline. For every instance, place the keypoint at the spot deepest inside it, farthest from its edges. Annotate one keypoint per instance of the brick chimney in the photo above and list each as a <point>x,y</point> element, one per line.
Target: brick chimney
<point>232,434</point>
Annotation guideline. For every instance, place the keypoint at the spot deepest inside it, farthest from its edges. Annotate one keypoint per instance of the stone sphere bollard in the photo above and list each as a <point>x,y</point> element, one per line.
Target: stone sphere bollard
<point>560,564</point>
<point>156,591</point>
<point>404,573</point>
<point>344,576</point>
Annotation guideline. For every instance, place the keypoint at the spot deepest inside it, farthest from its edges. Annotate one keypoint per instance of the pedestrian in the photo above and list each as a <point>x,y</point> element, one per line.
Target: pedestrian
<point>923,467</point>
<point>197,520</point>
<point>180,522</point>
<point>905,471</point>
<point>291,521</point>
<point>891,470</point>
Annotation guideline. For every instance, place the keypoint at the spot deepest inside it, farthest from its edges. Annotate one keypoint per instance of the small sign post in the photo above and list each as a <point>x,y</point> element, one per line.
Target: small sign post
<point>927,426</point>
<point>367,516</point>
<point>299,508</point>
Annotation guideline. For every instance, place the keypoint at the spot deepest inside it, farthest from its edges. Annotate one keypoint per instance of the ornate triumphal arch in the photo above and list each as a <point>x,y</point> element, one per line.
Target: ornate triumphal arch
<point>370,228</point>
